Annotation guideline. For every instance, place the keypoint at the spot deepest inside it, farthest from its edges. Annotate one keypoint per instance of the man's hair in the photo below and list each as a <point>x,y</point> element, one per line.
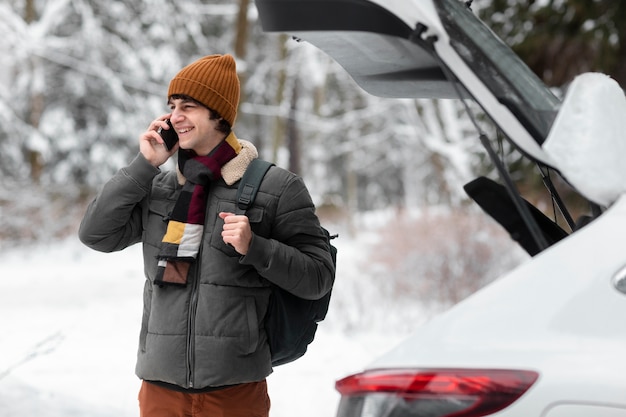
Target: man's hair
<point>222,126</point>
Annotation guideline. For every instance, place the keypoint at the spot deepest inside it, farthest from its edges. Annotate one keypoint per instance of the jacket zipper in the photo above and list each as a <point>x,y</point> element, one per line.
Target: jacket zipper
<point>193,308</point>
<point>191,323</point>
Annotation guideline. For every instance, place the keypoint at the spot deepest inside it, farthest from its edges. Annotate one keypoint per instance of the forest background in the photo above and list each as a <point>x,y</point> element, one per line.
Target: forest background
<point>81,79</point>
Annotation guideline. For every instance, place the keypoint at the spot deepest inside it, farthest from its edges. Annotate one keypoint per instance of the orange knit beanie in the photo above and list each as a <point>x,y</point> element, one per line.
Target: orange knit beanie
<point>212,81</point>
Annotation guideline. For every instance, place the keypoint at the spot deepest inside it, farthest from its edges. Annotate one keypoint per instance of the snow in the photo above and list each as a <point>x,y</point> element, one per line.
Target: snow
<point>586,140</point>
<point>70,326</point>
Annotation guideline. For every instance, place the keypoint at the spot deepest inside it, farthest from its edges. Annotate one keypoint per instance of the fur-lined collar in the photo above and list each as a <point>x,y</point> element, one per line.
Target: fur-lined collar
<point>233,170</point>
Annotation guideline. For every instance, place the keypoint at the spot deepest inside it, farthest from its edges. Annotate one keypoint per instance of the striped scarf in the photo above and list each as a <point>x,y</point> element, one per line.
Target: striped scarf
<point>183,237</point>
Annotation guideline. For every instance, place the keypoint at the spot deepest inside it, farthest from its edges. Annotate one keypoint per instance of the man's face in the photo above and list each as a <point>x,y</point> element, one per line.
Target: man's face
<point>194,126</point>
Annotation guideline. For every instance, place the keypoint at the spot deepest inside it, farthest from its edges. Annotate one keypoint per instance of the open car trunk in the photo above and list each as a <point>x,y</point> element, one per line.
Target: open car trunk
<point>438,49</point>
<point>555,320</point>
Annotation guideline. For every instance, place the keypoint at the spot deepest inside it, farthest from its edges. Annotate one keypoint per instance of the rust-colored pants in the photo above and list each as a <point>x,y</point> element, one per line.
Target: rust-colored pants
<point>245,400</point>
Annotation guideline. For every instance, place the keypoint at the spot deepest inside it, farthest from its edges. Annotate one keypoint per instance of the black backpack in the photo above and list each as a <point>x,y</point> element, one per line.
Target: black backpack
<point>291,321</point>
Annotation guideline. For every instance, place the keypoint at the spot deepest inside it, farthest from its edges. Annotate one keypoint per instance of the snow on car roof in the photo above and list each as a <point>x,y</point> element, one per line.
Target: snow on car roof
<point>587,138</point>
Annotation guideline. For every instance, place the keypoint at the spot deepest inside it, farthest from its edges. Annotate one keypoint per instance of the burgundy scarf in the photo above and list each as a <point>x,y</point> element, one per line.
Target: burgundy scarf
<point>183,237</point>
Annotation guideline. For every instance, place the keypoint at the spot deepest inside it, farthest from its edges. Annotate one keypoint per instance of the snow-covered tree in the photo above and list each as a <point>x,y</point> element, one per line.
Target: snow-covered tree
<point>83,78</point>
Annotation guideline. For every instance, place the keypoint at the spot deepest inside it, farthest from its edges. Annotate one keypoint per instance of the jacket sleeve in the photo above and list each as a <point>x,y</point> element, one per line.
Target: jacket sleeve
<point>296,256</point>
<point>113,219</point>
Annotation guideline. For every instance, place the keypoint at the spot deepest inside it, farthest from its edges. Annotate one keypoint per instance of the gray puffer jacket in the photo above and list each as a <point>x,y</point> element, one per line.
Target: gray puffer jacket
<point>210,333</point>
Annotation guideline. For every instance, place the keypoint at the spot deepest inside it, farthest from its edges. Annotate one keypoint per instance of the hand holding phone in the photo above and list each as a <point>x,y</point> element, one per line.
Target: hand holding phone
<point>169,136</point>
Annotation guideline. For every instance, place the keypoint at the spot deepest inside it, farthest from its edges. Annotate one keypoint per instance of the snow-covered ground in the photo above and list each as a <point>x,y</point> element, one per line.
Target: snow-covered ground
<point>69,325</point>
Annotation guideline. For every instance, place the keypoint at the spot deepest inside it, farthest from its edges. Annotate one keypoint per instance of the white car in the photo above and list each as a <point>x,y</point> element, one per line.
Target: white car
<point>547,339</point>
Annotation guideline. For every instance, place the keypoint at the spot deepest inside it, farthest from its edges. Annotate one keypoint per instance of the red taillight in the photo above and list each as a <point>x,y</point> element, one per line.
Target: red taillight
<point>442,392</point>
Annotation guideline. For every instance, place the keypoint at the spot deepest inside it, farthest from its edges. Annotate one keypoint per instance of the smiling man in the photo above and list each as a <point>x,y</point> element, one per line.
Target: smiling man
<point>203,348</point>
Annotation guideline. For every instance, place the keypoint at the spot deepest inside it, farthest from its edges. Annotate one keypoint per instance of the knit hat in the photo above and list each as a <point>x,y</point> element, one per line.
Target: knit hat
<point>212,81</point>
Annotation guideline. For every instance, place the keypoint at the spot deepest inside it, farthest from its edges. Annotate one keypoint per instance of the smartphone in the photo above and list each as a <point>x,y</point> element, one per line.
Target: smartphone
<point>169,136</point>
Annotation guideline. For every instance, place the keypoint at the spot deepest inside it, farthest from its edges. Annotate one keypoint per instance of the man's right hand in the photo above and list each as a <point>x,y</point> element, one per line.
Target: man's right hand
<point>151,144</point>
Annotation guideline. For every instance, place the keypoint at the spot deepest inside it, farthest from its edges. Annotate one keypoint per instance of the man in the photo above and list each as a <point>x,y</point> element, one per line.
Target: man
<point>203,349</point>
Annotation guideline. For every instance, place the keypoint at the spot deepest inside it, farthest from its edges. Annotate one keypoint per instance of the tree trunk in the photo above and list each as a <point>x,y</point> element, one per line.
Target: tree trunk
<point>241,40</point>
<point>293,135</point>
<point>241,37</point>
<point>29,11</point>
<point>37,103</point>
<point>279,121</point>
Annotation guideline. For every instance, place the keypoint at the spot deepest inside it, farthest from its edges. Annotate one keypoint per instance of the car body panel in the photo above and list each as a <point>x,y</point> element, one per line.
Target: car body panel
<point>578,409</point>
<point>554,314</point>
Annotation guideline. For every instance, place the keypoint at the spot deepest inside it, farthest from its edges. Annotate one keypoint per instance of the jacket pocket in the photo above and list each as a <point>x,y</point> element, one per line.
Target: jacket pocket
<point>255,217</point>
<point>228,320</point>
<point>154,226</point>
<point>253,328</point>
<point>145,322</point>
<point>155,220</point>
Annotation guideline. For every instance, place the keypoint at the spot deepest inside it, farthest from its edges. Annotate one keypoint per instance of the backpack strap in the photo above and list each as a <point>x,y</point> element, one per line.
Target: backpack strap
<point>250,183</point>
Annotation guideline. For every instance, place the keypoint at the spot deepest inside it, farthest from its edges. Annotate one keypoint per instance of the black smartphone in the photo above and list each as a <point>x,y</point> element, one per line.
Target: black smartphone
<point>169,136</point>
